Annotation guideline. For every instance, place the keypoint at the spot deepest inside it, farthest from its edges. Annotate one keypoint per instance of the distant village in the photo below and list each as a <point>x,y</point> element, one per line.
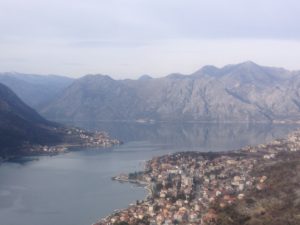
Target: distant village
<point>184,187</point>
<point>75,137</point>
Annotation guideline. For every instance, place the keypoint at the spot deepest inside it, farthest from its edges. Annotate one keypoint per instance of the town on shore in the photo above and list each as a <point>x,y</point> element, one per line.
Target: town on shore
<point>189,187</point>
<point>75,137</point>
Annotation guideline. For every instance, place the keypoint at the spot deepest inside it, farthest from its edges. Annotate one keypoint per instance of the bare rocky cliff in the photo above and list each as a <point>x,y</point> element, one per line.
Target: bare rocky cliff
<point>242,92</point>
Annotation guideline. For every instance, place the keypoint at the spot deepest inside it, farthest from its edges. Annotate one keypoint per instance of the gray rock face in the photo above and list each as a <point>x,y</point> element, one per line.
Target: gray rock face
<point>242,92</point>
<point>35,90</point>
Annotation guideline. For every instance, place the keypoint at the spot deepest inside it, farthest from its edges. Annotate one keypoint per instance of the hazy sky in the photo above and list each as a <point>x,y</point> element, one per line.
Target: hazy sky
<point>128,38</point>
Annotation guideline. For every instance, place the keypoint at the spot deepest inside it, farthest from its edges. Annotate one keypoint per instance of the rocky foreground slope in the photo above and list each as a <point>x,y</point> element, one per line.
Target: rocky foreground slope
<point>255,185</point>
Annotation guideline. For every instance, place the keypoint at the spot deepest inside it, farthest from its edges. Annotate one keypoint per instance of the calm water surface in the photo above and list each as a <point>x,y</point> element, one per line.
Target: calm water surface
<point>76,189</point>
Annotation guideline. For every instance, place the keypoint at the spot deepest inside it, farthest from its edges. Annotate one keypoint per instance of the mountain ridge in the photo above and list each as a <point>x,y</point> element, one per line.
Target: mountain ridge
<point>241,92</point>
<point>35,90</point>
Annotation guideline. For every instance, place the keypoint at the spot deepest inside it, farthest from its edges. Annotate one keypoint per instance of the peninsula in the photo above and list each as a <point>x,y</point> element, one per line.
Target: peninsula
<point>24,132</point>
<point>73,138</point>
<point>253,185</point>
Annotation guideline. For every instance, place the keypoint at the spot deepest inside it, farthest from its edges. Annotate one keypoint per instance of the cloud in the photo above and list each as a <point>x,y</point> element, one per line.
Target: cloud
<point>157,59</point>
<point>155,19</point>
<point>128,31</point>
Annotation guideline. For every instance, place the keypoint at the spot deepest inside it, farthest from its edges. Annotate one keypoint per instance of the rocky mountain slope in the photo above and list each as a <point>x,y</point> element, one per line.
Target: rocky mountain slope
<point>24,132</point>
<point>35,90</point>
<point>242,92</point>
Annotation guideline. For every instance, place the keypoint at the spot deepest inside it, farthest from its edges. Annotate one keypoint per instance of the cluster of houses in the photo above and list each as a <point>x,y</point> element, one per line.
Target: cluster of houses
<point>97,139</point>
<point>47,149</point>
<point>75,138</point>
<point>185,186</point>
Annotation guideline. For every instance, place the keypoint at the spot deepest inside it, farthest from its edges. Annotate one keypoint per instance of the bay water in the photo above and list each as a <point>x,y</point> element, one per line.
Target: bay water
<point>75,188</point>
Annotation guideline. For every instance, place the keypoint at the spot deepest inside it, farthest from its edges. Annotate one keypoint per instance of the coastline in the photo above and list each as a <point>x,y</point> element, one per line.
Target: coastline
<point>140,183</point>
<point>73,138</point>
<point>246,159</point>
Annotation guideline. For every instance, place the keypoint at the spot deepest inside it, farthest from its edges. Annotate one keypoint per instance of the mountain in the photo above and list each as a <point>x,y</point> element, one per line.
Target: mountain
<point>24,132</point>
<point>145,77</point>
<point>94,96</point>
<point>240,92</point>
<point>20,124</point>
<point>35,90</point>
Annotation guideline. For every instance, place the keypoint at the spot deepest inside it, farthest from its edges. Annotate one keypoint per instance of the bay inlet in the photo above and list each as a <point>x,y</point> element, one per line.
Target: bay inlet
<point>76,188</point>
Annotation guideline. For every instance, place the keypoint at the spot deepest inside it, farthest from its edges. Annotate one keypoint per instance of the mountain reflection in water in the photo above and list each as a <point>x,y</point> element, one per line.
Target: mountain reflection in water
<point>193,136</point>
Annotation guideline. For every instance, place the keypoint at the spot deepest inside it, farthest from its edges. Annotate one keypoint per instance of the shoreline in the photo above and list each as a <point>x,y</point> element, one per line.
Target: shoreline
<point>241,162</point>
<point>75,139</point>
<point>152,121</point>
<point>67,148</point>
<point>139,183</point>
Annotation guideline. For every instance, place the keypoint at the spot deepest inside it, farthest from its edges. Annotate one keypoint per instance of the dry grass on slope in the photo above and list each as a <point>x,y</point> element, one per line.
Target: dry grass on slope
<point>277,204</point>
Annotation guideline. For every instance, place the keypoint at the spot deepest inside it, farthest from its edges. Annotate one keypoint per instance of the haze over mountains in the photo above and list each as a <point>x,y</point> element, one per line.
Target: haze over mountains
<point>21,124</point>
<point>35,90</point>
<point>242,92</point>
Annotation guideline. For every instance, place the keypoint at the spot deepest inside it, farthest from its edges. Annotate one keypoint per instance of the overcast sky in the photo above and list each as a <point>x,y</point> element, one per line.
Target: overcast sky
<point>128,38</point>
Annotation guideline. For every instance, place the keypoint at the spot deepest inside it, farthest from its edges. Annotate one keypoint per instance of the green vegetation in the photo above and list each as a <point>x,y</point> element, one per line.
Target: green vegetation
<point>135,175</point>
